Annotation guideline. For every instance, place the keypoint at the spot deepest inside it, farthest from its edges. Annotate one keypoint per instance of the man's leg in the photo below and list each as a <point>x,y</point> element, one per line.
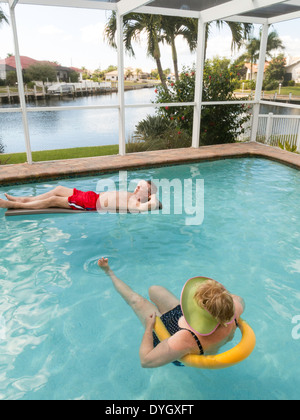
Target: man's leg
<point>52,202</point>
<point>56,192</point>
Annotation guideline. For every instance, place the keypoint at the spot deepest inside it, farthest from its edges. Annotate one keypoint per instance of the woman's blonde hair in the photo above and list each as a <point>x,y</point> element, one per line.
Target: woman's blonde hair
<point>213,297</point>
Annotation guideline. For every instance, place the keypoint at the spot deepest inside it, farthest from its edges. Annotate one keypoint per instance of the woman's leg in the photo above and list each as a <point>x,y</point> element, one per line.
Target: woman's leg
<point>56,192</point>
<point>163,299</point>
<point>141,306</point>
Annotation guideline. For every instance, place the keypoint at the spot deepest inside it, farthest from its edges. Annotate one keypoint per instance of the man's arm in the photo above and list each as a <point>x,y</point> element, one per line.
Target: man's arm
<point>152,204</point>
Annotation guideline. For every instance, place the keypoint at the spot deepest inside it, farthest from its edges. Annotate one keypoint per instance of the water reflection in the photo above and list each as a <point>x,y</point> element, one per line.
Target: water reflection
<point>278,110</point>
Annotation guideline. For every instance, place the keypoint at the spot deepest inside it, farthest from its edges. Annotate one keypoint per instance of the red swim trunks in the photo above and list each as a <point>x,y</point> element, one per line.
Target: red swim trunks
<point>83,200</point>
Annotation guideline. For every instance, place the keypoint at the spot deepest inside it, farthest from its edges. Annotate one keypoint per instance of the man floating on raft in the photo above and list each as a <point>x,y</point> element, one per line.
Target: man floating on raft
<point>141,200</point>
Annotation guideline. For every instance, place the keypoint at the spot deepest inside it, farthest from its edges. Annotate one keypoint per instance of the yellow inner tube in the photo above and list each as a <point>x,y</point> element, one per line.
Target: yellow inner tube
<point>220,361</point>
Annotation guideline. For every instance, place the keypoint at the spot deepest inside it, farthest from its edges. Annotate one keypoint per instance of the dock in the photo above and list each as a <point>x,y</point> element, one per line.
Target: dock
<point>11,96</point>
<point>272,97</point>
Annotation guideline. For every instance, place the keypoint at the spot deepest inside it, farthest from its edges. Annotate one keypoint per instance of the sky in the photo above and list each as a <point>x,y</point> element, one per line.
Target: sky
<point>74,38</point>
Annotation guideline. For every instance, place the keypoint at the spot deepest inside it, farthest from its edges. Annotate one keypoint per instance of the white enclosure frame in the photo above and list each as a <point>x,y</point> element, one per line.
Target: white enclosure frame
<point>233,10</point>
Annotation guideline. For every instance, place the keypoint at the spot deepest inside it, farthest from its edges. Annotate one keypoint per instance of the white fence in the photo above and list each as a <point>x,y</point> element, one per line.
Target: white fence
<point>278,130</point>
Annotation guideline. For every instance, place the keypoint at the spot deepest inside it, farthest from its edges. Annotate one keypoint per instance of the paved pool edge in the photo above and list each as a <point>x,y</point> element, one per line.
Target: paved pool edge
<point>42,171</point>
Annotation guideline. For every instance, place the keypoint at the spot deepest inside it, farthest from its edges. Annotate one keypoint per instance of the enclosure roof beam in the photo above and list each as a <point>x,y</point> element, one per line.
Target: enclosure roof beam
<point>235,7</point>
<point>246,19</point>
<point>284,18</point>
<point>168,12</point>
<point>81,4</point>
<point>13,3</point>
<point>125,6</point>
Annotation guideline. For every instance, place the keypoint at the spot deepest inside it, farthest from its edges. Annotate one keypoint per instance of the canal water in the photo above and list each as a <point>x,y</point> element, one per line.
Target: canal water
<point>92,127</point>
<point>51,130</point>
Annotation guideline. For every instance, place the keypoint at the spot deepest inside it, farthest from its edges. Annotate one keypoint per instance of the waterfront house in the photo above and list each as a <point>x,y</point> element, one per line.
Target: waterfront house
<point>293,69</point>
<point>9,64</point>
<point>252,70</point>
<point>111,76</point>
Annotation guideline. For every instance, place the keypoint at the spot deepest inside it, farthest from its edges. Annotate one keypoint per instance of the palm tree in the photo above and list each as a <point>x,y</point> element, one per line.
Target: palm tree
<point>252,53</point>
<point>274,43</point>
<point>167,28</point>
<point>239,31</point>
<point>3,18</point>
<point>171,28</point>
<point>134,25</point>
<point>253,47</point>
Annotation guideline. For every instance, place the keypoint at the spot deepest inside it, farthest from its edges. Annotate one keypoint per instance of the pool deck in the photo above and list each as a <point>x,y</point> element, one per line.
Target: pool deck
<point>41,171</point>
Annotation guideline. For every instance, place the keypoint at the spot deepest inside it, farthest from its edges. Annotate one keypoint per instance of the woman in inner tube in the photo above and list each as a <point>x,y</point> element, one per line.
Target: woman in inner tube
<point>205,319</point>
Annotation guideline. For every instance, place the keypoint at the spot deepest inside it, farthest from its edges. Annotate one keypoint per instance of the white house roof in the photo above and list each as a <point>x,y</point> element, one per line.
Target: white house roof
<point>256,11</point>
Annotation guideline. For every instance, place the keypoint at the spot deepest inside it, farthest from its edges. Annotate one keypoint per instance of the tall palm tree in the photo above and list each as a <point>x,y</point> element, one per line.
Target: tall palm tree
<point>134,25</point>
<point>239,31</point>
<point>166,29</point>
<point>252,53</point>
<point>171,28</point>
<point>253,47</point>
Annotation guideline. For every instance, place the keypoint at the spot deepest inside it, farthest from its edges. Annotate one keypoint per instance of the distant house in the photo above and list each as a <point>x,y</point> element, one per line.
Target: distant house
<point>9,64</point>
<point>292,69</point>
<point>111,76</point>
<point>79,71</point>
<point>129,74</point>
<point>252,74</point>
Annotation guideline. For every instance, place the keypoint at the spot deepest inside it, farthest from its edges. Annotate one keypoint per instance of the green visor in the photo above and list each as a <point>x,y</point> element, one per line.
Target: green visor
<point>199,319</point>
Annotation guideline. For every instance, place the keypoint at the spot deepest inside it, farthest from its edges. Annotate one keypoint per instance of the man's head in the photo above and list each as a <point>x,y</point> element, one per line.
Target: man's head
<point>144,190</point>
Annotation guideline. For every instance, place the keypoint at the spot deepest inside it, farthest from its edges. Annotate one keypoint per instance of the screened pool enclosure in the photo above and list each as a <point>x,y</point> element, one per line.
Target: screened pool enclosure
<point>262,12</point>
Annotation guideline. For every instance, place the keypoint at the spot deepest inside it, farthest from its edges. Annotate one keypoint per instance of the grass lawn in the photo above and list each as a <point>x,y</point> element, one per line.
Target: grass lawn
<point>45,155</point>
<point>294,90</point>
<point>285,91</point>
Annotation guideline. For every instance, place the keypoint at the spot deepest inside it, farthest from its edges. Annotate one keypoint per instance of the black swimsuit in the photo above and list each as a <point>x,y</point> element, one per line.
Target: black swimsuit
<point>170,321</point>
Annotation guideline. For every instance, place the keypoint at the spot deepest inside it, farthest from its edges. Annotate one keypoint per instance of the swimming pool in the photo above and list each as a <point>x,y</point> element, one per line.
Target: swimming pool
<point>66,334</point>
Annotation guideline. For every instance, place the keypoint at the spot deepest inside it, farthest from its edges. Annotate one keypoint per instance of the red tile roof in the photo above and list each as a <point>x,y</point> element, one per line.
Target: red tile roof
<point>25,62</point>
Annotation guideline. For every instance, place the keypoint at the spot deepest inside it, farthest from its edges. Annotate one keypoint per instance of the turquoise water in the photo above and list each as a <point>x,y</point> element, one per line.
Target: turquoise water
<point>66,334</point>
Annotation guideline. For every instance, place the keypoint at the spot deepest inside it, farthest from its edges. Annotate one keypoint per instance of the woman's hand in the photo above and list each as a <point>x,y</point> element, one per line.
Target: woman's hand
<point>103,263</point>
<point>150,321</point>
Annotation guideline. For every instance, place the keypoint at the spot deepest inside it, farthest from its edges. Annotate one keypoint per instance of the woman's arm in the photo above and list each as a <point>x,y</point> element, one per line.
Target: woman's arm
<point>165,352</point>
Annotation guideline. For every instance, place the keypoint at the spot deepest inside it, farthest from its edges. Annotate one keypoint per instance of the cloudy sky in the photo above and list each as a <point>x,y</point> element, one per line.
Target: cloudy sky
<point>74,37</point>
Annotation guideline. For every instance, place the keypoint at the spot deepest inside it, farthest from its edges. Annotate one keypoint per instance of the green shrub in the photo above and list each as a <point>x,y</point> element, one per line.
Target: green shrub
<point>270,85</point>
<point>287,145</point>
<point>157,133</point>
<point>219,123</point>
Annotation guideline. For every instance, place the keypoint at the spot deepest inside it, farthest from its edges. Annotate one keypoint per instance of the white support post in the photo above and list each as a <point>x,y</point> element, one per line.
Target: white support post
<point>20,82</point>
<point>199,83</point>
<point>260,79</point>
<point>122,139</point>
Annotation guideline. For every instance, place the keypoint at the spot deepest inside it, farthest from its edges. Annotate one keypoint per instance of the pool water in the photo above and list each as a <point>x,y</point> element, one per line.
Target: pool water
<point>66,334</point>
